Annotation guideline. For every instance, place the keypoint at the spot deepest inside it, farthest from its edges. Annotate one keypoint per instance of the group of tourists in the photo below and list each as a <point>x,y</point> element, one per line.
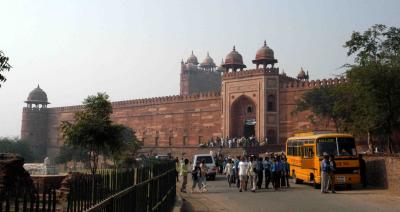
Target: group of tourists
<point>198,173</point>
<point>231,142</point>
<point>252,170</point>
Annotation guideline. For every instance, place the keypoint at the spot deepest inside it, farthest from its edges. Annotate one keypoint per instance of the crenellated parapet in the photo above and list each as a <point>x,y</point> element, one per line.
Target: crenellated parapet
<point>285,78</point>
<point>150,101</point>
<point>250,73</point>
<point>312,84</point>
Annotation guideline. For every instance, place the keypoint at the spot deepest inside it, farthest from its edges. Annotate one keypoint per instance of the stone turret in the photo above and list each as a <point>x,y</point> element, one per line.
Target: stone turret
<point>199,78</point>
<point>34,122</point>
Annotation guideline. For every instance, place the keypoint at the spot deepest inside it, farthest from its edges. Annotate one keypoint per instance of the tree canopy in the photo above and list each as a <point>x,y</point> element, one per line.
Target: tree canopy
<point>15,145</point>
<point>93,130</point>
<point>4,66</point>
<point>369,102</point>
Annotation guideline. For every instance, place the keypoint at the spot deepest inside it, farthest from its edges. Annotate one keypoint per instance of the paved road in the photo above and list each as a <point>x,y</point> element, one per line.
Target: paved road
<point>298,198</point>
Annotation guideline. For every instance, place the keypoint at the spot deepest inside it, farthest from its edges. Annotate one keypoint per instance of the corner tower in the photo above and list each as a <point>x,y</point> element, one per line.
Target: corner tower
<point>34,121</point>
<point>197,78</point>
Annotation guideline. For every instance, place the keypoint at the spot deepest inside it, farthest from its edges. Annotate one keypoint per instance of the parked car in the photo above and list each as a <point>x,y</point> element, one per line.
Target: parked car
<point>210,163</point>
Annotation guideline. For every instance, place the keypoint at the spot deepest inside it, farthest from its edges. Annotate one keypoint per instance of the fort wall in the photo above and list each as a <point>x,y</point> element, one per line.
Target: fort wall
<point>291,122</point>
<point>172,121</point>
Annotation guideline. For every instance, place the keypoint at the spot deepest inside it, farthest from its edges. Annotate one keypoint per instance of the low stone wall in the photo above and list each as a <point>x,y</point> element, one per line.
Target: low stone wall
<point>384,172</point>
<point>47,181</point>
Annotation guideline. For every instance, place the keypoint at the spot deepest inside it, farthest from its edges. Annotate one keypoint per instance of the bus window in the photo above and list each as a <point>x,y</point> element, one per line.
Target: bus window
<point>346,147</point>
<point>308,152</point>
<point>326,146</point>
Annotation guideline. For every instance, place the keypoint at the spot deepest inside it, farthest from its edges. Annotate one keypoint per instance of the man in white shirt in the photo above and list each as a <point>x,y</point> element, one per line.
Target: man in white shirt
<point>252,174</point>
<point>243,165</point>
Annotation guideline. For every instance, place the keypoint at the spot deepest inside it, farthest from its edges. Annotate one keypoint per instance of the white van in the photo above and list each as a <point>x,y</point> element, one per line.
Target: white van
<point>210,163</point>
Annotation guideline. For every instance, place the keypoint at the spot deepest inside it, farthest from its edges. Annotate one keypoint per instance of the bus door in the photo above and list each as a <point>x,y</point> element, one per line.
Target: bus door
<point>307,160</point>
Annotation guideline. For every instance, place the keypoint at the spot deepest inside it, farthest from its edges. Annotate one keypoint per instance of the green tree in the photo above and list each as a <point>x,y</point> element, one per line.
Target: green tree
<point>375,78</point>
<point>369,102</point>
<point>125,154</point>
<point>15,145</point>
<point>4,66</point>
<point>323,103</point>
<point>71,153</point>
<point>93,130</point>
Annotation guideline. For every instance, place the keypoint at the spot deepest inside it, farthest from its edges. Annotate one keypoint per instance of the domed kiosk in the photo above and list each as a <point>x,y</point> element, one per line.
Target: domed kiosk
<point>303,76</point>
<point>208,63</point>
<point>38,98</point>
<point>265,57</point>
<point>192,60</point>
<point>234,61</point>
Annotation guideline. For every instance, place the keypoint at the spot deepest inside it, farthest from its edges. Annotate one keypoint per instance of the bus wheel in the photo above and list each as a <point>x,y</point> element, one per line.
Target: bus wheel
<point>298,181</point>
<point>315,185</point>
<point>349,186</point>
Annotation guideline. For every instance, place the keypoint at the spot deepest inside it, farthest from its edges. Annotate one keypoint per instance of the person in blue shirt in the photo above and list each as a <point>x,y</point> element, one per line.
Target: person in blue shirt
<point>286,172</point>
<point>325,174</point>
<point>267,172</point>
<point>282,166</point>
<point>236,170</point>
<point>276,169</point>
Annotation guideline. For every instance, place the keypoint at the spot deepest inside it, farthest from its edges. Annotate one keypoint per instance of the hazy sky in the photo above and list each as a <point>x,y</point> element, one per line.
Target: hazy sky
<point>133,49</point>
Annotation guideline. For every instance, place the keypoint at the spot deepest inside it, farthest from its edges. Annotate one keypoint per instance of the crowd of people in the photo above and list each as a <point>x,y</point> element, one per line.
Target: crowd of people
<point>242,171</point>
<point>252,171</point>
<point>231,142</point>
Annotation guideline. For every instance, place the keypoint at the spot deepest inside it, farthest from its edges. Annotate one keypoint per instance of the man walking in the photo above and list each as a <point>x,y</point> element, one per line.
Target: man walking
<point>243,165</point>
<point>324,174</point>
<point>203,175</point>
<point>236,171</point>
<point>267,171</point>
<point>260,172</point>
<point>251,172</point>
<point>184,172</point>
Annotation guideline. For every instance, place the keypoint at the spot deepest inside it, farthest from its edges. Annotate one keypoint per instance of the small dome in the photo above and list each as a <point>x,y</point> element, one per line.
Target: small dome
<point>265,53</point>
<point>192,59</point>
<point>208,62</point>
<point>301,74</point>
<point>37,96</point>
<point>234,58</point>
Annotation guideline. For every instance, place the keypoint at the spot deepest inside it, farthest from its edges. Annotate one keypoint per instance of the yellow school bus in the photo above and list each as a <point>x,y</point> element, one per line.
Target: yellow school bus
<point>305,152</point>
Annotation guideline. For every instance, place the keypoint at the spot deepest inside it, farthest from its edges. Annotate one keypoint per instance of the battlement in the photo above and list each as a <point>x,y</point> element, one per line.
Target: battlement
<point>34,109</point>
<point>150,101</point>
<point>250,73</point>
<point>287,78</point>
<point>313,83</point>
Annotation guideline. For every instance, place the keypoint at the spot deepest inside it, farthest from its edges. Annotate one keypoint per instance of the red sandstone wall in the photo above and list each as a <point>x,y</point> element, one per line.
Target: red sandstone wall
<point>162,121</point>
<point>289,94</point>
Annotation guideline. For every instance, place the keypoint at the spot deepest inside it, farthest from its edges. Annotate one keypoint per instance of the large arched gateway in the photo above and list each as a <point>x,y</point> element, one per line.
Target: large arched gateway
<point>243,117</point>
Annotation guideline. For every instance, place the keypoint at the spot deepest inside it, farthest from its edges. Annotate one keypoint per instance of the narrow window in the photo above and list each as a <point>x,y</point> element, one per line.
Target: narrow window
<point>271,103</point>
<point>156,140</point>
